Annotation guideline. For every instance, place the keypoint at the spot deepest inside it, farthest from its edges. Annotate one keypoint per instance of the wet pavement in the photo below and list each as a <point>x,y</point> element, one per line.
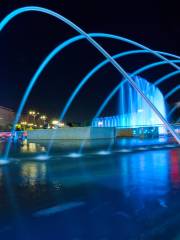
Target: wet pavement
<point>121,190</point>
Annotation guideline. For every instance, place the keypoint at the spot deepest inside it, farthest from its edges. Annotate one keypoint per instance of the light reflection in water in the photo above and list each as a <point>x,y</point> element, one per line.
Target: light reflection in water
<point>1,176</point>
<point>32,147</point>
<point>175,168</point>
<point>138,142</point>
<point>33,173</point>
<point>147,172</point>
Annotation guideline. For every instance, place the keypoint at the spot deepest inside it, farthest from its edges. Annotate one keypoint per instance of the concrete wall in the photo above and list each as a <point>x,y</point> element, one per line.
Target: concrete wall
<point>72,133</point>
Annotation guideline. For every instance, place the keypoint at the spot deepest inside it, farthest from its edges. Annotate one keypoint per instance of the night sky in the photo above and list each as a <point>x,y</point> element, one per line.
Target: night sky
<point>26,41</point>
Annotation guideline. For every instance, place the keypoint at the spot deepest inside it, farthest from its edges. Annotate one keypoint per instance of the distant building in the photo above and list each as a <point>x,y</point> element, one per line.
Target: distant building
<point>6,117</point>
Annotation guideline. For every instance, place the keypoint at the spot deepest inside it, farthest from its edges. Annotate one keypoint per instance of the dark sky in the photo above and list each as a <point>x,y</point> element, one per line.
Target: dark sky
<point>26,41</point>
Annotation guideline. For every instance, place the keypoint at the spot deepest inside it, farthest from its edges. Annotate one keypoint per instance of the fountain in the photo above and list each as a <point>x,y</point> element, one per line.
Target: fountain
<point>133,110</point>
<point>137,72</point>
<point>145,106</point>
<point>170,93</point>
<point>9,17</point>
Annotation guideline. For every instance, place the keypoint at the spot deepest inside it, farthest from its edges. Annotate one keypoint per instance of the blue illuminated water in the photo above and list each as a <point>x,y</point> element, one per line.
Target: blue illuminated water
<point>131,194</point>
<point>65,20</point>
<point>133,111</point>
<point>127,191</point>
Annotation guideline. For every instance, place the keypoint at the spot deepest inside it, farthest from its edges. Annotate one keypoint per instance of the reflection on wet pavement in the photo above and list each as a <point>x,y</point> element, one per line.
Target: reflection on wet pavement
<point>120,195</point>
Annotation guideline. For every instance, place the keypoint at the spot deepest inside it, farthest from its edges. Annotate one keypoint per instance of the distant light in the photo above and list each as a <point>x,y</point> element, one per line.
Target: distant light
<point>43,117</point>
<point>58,123</point>
<point>61,124</point>
<point>75,155</point>
<point>140,110</point>
<point>23,123</point>
<point>33,113</point>
<point>55,122</point>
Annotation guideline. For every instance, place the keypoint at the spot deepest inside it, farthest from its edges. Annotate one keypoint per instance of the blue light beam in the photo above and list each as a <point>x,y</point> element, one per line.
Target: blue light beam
<point>170,93</point>
<point>137,72</point>
<point>173,110</point>
<point>103,52</point>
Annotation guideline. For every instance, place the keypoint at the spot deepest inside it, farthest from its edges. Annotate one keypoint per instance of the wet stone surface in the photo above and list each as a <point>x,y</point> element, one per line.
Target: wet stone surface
<point>119,195</point>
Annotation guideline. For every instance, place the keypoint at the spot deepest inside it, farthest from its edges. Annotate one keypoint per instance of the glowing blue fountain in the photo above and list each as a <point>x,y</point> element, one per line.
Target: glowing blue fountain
<point>133,110</point>
<point>16,12</point>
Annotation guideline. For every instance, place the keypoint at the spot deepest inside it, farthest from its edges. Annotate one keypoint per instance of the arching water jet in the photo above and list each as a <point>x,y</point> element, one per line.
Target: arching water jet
<point>116,89</point>
<point>139,71</point>
<point>173,110</point>
<point>145,68</point>
<point>174,90</point>
<point>99,48</point>
<point>164,78</point>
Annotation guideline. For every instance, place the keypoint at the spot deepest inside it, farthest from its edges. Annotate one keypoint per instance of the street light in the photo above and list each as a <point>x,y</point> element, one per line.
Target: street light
<point>23,123</point>
<point>55,122</point>
<point>34,115</point>
<point>43,117</point>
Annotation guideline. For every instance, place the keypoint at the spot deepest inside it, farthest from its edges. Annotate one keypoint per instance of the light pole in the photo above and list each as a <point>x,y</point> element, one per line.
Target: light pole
<point>34,114</point>
<point>43,118</point>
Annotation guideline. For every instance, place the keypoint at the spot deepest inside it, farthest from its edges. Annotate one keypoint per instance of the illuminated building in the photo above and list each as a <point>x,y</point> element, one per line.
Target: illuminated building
<point>6,117</point>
